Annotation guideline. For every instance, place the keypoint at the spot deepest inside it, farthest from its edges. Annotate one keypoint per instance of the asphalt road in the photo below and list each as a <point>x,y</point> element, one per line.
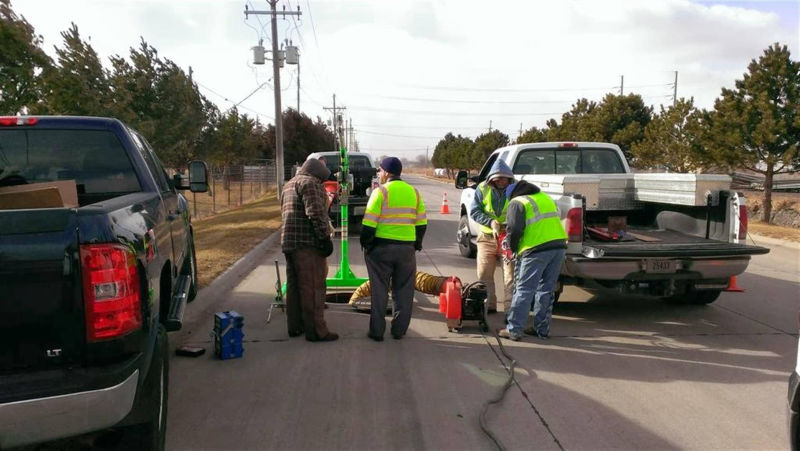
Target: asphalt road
<point>618,372</point>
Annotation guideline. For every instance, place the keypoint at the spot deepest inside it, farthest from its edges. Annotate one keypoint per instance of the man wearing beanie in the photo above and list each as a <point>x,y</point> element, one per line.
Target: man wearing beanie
<point>392,229</point>
<point>489,207</point>
<point>306,243</point>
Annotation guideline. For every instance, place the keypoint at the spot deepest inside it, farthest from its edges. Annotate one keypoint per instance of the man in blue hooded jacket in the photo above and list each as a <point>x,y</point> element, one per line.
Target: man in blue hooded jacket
<point>489,208</point>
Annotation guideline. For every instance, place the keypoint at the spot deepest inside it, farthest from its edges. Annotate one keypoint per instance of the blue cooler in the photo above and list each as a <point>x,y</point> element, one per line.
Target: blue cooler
<point>228,335</point>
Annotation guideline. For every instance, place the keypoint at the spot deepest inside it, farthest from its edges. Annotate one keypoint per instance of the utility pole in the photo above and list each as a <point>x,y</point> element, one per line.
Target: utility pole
<point>490,125</point>
<point>675,90</point>
<point>336,128</point>
<point>520,130</point>
<point>621,85</point>
<point>276,81</point>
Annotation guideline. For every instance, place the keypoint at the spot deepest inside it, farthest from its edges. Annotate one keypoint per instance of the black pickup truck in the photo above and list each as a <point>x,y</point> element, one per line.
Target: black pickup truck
<point>90,285</point>
<point>362,179</point>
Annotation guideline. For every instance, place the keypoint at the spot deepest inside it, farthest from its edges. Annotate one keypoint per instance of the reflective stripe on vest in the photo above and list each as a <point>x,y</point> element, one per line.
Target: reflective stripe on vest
<point>542,221</point>
<point>488,208</point>
<point>397,212</point>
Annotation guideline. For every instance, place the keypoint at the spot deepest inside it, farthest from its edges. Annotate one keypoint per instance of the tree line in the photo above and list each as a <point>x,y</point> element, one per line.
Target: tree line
<point>755,125</point>
<point>145,90</point>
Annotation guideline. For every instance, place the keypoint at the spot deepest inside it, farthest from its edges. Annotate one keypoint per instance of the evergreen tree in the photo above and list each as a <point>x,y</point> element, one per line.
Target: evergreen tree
<point>756,124</point>
<point>22,62</point>
<point>78,84</point>
<point>672,139</point>
<point>484,145</point>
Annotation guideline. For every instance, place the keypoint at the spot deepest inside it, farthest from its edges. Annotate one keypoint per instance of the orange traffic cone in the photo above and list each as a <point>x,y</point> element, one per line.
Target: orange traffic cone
<point>733,287</point>
<point>445,208</point>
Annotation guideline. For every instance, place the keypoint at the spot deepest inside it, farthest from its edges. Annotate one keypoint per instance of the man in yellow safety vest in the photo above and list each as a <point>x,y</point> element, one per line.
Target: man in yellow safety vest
<point>392,229</point>
<point>539,242</point>
<point>488,209</point>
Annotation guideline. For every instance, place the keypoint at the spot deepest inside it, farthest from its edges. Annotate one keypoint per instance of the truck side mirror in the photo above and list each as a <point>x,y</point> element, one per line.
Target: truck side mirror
<point>461,179</point>
<point>198,176</point>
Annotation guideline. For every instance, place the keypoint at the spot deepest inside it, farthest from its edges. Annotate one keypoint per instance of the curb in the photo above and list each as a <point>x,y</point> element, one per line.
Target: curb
<point>206,302</point>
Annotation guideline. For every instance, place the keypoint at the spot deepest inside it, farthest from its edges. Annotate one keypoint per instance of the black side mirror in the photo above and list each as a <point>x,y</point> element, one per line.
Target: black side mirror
<point>198,176</point>
<point>461,179</point>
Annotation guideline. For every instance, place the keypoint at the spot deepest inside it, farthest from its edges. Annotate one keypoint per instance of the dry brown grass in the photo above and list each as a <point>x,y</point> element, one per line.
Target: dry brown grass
<point>223,239</point>
<point>774,231</point>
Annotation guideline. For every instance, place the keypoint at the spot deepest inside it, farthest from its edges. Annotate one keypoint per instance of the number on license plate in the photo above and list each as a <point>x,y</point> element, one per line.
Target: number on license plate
<point>661,266</point>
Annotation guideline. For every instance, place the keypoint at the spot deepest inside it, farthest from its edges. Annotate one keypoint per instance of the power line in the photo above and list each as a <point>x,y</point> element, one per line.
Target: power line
<point>313,28</point>
<point>447,113</point>
<point>450,88</point>
<point>397,136</point>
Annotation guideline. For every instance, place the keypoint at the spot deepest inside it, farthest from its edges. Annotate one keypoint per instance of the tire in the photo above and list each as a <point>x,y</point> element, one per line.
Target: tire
<point>151,435</point>
<point>463,237</point>
<point>190,268</point>
<point>694,297</point>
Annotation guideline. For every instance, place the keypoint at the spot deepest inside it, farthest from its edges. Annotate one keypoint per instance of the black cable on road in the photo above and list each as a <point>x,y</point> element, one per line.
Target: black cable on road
<point>511,379</point>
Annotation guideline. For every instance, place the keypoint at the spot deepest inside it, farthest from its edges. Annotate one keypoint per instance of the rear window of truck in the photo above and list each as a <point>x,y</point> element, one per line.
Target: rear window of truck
<point>353,161</point>
<point>95,159</point>
<point>568,161</point>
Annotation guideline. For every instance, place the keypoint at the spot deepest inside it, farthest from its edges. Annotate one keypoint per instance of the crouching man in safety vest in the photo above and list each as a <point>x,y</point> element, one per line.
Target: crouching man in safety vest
<point>539,242</point>
<point>489,208</point>
<point>392,229</point>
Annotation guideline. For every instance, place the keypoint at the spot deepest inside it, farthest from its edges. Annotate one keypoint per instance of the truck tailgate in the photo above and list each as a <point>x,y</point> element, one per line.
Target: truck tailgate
<point>41,312</point>
<point>672,244</point>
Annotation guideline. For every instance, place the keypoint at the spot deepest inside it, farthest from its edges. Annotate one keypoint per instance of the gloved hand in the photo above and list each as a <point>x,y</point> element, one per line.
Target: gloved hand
<point>495,227</point>
<point>418,246</point>
<point>327,248</point>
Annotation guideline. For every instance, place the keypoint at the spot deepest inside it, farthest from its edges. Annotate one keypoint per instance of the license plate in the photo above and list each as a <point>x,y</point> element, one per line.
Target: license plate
<point>661,266</point>
<point>359,211</point>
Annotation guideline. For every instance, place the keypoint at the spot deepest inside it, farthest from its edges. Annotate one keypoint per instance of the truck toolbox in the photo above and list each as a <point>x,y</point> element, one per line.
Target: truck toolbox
<point>679,189</point>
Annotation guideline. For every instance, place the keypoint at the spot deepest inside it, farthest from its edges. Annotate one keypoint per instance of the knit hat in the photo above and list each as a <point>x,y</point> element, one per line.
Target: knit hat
<point>392,165</point>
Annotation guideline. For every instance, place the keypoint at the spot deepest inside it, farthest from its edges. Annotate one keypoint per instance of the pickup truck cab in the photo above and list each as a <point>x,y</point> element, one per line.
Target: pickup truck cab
<point>90,283</point>
<point>677,236</point>
<point>362,179</point>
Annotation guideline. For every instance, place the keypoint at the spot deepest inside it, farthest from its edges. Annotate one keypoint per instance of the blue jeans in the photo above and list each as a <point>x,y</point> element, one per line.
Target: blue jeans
<point>535,279</point>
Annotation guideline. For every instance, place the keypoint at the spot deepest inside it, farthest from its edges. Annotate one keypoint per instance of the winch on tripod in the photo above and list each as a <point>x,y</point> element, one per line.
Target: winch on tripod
<point>459,303</point>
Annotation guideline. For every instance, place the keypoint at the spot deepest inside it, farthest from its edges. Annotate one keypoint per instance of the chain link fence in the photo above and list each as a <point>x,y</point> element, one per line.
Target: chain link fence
<point>231,186</point>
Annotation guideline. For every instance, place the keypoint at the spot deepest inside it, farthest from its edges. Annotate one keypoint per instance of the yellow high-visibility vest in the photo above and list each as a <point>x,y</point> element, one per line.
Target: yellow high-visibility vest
<point>394,209</point>
<point>542,222</point>
<point>488,209</point>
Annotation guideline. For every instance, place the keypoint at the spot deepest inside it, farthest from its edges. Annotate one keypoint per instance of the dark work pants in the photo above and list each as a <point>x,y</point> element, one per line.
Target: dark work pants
<point>398,263</point>
<point>305,292</point>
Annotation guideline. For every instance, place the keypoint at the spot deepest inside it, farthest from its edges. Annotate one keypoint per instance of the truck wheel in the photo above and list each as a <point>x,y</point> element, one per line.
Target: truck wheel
<point>702,297</point>
<point>694,297</point>
<point>190,268</point>
<point>465,246</point>
<point>152,434</point>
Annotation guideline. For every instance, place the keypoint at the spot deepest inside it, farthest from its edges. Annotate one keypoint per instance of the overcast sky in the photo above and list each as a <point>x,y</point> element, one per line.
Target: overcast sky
<point>411,71</point>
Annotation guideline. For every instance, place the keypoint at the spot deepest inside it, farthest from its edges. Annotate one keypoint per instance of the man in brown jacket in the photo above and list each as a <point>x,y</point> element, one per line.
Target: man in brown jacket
<point>306,243</point>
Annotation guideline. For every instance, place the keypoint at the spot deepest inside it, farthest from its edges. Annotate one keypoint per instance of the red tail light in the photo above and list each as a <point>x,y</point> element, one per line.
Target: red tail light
<point>111,292</point>
<point>17,120</point>
<point>742,222</point>
<point>575,225</point>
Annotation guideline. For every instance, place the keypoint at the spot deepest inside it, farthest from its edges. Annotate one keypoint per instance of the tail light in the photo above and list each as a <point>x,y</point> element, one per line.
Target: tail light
<point>742,222</point>
<point>111,291</point>
<point>575,225</point>
<point>7,121</point>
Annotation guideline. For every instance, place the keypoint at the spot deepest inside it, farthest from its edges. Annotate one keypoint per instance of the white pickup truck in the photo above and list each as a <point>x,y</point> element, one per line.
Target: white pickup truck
<point>676,236</point>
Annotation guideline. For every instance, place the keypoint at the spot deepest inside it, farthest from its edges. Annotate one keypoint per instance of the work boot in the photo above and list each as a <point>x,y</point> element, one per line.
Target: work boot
<point>375,337</point>
<point>504,333</point>
<point>296,333</point>
<point>332,336</point>
<point>535,333</point>
<point>491,310</point>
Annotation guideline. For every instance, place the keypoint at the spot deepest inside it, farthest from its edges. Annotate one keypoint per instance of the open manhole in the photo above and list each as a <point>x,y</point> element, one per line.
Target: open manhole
<point>339,297</point>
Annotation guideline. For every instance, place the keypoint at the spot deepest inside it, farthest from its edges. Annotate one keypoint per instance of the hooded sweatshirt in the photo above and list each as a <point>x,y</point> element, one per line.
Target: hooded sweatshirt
<point>515,218</point>
<point>304,208</point>
<point>499,169</point>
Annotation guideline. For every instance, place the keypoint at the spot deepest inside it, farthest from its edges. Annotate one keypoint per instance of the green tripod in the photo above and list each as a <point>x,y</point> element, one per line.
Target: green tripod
<point>344,278</point>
